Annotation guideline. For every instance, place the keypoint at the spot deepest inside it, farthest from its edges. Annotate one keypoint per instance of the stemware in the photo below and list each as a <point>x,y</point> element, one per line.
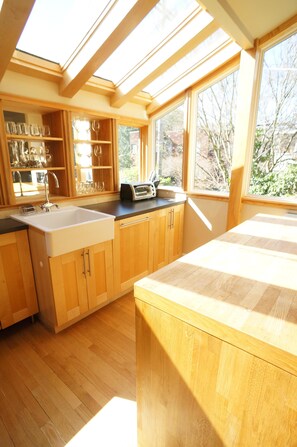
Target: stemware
<point>14,153</point>
<point>96,127</point>
<point>98,153</point>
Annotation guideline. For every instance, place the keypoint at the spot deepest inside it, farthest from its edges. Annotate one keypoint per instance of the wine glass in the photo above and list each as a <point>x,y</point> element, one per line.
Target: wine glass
<point>98,152</point>
<point>96,127</point>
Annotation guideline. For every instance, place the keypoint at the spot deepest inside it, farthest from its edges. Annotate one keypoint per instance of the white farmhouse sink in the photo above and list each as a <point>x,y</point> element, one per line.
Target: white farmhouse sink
<point>70,228</point>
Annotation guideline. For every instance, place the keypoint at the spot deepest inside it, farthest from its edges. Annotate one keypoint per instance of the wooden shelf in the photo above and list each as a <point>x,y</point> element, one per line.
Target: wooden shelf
<point>93,167</point>
<point>38,169</point>
<point>32,138</point>
<point>91,142</point>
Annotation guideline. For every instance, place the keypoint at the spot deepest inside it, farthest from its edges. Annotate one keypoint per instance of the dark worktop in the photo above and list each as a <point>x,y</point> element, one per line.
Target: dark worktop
<point>8,225</point>
<point>118,208</point>
<point>122,209</point>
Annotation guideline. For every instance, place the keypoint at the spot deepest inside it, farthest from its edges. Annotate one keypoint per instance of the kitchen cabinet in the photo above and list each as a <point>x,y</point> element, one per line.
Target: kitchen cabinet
<point>133,251</point>
<point>39,137</point>
<point>93,154</point>
<point>82,281</point>
<point>72,285</point>
<point>145,243</point>
<point>168,237</point>
<point>32,142</point>
<point>17,289</point>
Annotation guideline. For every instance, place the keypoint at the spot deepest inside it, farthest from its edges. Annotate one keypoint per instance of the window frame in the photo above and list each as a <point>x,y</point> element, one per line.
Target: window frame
<point>182,99</point>
<point>262,47</point>
<point>212,79</point>
<point>143,150</point>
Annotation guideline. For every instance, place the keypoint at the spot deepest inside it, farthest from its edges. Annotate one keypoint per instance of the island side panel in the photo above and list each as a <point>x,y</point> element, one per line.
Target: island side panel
<point>195,389</point>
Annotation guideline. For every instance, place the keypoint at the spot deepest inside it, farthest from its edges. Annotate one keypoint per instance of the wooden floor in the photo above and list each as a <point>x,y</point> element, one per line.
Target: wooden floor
<point>51,386</point>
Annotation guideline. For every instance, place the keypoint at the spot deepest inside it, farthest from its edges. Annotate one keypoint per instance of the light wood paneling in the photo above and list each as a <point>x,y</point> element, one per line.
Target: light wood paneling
<point>194,389</point>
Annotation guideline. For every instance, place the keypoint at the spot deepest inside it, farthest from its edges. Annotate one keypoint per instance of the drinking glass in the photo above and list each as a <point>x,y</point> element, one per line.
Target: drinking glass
<point>96,127</point>
<point>45,130</point>
<point>23,129</point>
<point>11,127</point>
<point>14,154</point>
<point>34,130</point>
<point>98,153</point>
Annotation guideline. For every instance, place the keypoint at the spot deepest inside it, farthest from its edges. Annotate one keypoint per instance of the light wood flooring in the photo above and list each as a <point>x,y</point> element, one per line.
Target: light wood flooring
<point>51,386</point>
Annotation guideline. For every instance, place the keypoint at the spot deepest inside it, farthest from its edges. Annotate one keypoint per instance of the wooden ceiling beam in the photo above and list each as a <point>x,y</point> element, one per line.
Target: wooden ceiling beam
<point>215,59</point>
<point>105,38</point>
<point>222,12</point>
<point>13,17</point>
<point>179,45</point>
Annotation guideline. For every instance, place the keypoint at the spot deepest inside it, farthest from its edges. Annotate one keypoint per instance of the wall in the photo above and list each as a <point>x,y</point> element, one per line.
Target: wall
<point>23,85</point>
<point>205,219</point>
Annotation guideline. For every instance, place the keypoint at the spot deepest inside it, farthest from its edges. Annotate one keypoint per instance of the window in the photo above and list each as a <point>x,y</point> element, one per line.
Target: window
<point>169,142</point>
<point>129,153</point>
<point>274,167</point>
<point>215,115</point>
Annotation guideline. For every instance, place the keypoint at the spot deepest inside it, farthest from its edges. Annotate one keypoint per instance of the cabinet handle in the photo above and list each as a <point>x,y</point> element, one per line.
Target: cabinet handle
<point>89,263</point>
<point>128,224</point>
<point>172,224</point>
<point>84,263</point>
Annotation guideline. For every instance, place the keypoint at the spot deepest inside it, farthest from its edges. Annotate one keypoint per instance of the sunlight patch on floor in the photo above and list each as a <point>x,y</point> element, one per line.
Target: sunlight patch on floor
<point>113,426</point>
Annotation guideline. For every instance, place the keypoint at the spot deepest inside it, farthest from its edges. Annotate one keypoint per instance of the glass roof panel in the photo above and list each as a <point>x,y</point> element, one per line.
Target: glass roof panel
<point>160,22</point>
<point>56,27</point>
<point>187,62</point>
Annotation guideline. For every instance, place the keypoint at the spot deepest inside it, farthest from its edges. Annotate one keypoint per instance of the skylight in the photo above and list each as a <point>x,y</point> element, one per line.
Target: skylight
<point>56,27</point>
<point>156,26</point>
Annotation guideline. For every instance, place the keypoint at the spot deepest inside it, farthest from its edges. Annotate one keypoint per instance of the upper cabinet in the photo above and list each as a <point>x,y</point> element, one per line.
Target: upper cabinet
<point>32,142</point>
<point>93,159</point>
<point>77,148</point>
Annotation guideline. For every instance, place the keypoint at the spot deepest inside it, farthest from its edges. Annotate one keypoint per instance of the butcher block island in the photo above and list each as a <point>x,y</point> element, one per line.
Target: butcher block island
<point>216,336</point>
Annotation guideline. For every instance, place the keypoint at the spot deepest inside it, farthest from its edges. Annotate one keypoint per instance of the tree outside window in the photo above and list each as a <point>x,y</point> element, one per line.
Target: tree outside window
<point>129,153</point>
<point>274,168</point>
<point>169,143</point>
<point>215,116</point>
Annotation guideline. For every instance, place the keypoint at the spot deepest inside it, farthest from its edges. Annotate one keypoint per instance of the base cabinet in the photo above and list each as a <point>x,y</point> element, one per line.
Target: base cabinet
<point>168,237</point>
<point>17,289</point>
<point>72,285</point>
<point>81,281</point>
<point>133,250</point>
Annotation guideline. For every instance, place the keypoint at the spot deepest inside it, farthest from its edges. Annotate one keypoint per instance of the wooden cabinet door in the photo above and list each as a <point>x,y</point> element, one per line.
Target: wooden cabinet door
<point>17,288</point>
<point>68,274</point>
<point>99,273</point>
<point>176,232</point>
<point>161,238</point>
<point>133,250</point>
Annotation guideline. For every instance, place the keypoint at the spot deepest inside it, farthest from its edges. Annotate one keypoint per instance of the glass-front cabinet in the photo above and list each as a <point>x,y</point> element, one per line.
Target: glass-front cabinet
<point>33,145</point>
<point>93,154</point>
<point>76,149</point>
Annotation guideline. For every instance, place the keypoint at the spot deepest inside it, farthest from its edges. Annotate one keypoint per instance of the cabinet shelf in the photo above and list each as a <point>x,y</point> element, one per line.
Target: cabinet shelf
<point>46,168</point>
<point>91,142</point>
<point>32,138</point>
<point>93,167</point>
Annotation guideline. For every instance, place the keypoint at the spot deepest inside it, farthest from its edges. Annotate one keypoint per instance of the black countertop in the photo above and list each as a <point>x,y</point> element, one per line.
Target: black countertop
<point>8,225</point>
<point>122,209</point>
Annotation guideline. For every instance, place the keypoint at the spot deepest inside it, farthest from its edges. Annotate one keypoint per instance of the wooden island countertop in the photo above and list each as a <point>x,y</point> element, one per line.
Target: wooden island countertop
<point>240,288</point>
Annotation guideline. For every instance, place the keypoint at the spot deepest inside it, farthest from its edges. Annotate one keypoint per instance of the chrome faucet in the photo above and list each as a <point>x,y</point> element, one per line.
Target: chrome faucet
<point>18,174</point>
<point>48,205</point>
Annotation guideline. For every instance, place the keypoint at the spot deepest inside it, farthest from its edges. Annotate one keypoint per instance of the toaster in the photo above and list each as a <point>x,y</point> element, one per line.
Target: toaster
<point>137,191</point>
